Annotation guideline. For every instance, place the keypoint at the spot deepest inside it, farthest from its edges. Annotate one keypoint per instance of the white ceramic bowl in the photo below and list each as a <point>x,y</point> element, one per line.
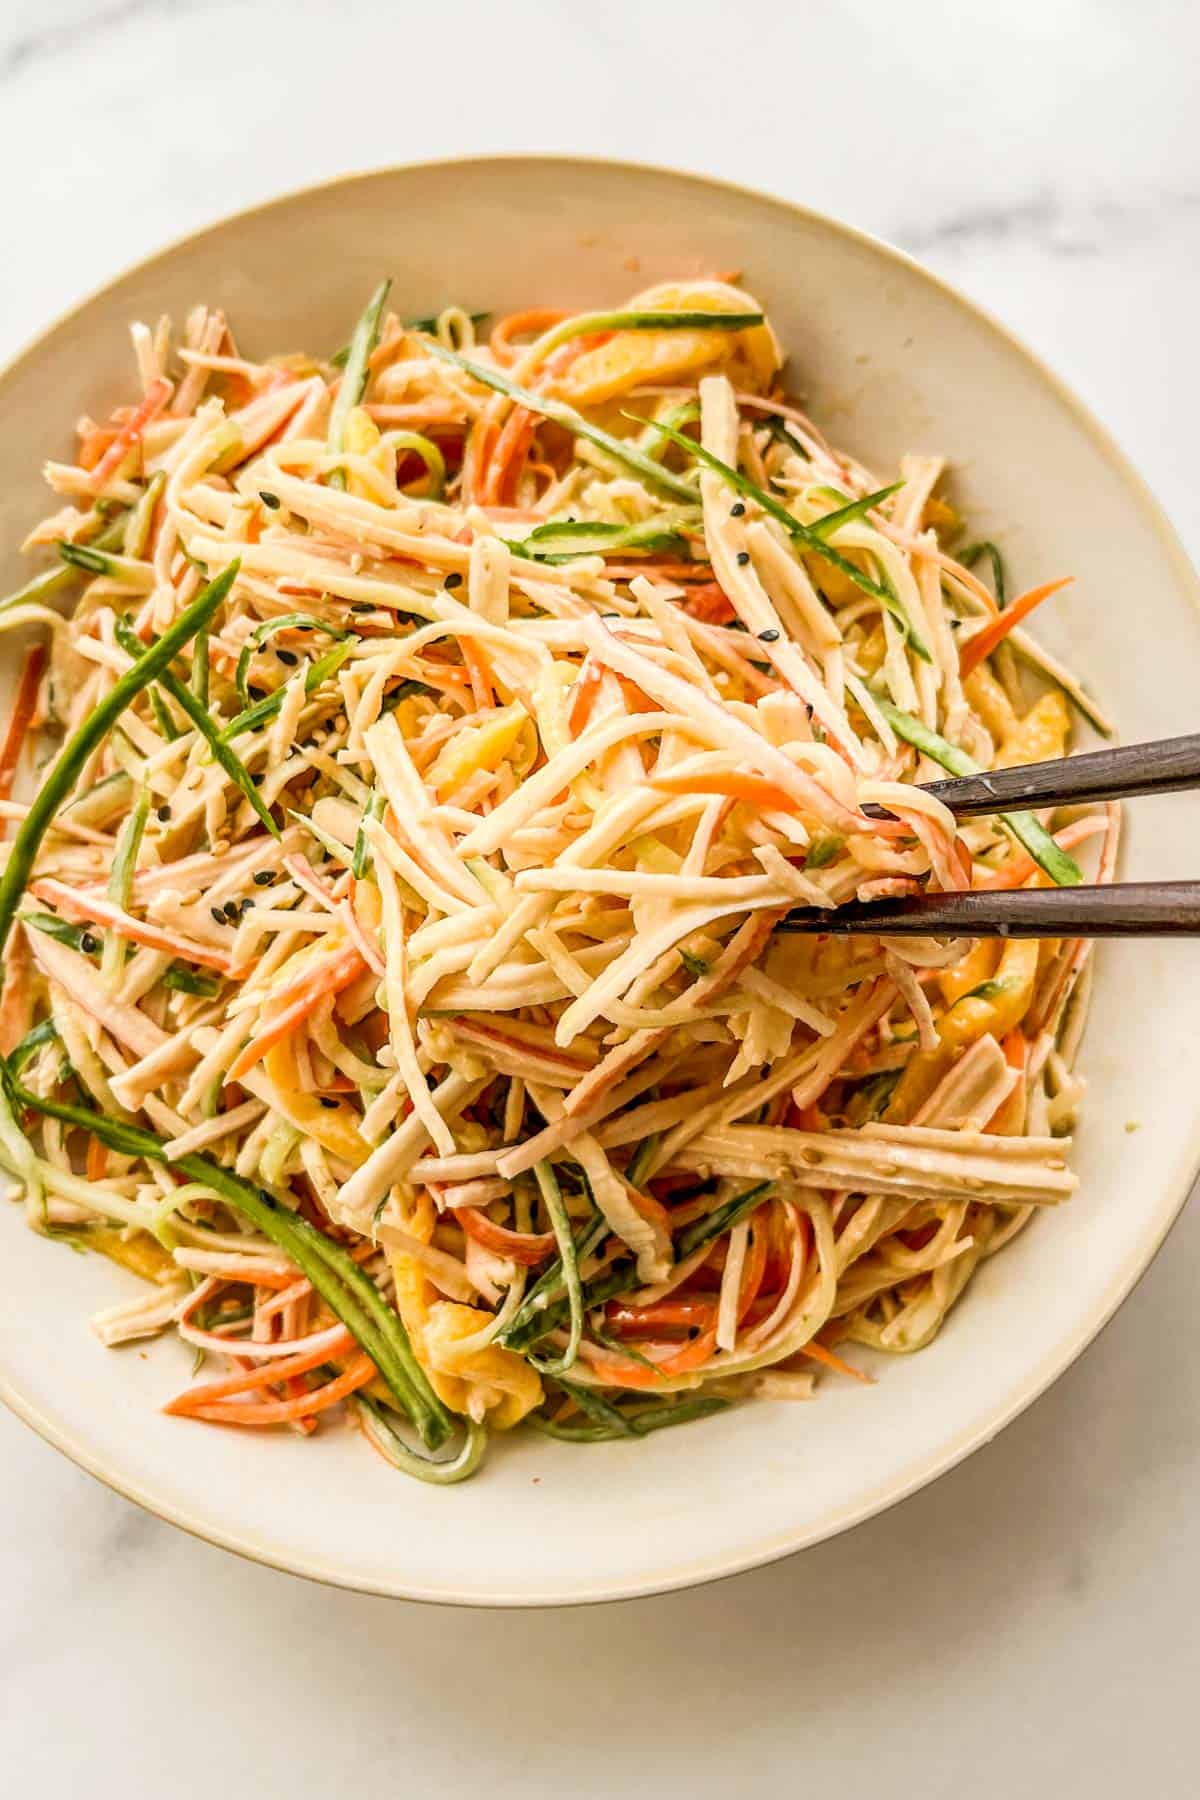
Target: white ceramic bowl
<point>890,359</point>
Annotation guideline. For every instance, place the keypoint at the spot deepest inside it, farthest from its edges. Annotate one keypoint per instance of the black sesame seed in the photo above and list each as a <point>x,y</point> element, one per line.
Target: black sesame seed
<point>217,914</point>
<point>768,637</point>
<point>743,557</point>
<point>737,509</point>
<point>257,693</point>
<point>326,1100</point>
<point>163,813</point>
<point>247,903</point>
<point>287,656</point>
<point>88,943</point>
<point>453,581</point>
<point>264,877</point>
<point>271,500</point>
<point>232,910</point>
<point>362,606</point>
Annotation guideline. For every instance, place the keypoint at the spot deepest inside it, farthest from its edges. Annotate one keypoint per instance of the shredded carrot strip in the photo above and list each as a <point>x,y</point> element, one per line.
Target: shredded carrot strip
<point>20,719</point>
<point>819,1353</point>
<point>508,457</point>
<point>246,1382</point>
<point>754,790</point>
<point>981,646</point>
<point>584,694</point>
<point>331,978</point>
<point>355,1375</point>
<point>156,397</point>
<point>480,671</point>
<point>529,323</point>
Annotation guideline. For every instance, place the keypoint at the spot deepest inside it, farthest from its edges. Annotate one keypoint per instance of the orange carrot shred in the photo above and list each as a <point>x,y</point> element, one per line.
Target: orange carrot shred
<point>976,649</point>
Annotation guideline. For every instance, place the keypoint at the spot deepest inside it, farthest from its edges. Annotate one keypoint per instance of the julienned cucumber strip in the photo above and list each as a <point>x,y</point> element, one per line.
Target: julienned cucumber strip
<point>64,771</point>
<point>640,1423</point>
<point>586,324</point>
<point>804,534</point>
<point>335,1276</point>
<point>562,540</point>
<point>570,420</point>
<point>1024,826</point>
<point>440,1473</point>
<point>354,375</point>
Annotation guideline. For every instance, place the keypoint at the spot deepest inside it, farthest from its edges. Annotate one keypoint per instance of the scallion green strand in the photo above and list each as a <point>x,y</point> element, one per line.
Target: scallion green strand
<point>1024,826</point>
<point>353,384</point>
<point>552,1197</point>
<point>234,768</point>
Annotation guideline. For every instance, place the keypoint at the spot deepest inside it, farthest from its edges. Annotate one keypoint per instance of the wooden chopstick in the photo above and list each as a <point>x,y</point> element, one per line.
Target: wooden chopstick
<point>1163,767</point>
<point>1122,909</point>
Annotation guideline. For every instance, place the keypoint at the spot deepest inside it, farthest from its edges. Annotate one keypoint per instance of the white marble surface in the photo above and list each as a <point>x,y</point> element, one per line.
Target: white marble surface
<point>1028,1625</point>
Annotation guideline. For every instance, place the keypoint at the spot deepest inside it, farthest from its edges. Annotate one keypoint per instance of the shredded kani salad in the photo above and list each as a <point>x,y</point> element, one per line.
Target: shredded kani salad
<point>396,966</point>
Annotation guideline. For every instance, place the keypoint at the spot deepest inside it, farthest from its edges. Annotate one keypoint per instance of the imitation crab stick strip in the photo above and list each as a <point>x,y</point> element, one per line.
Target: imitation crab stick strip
<point>73,904</point>
<point>527,1248</point>
<point>245,1382</point>
<point>24,707</point>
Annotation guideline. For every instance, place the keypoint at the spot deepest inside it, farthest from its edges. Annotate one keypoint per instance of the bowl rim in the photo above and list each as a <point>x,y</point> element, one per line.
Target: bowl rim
<point>1175,1192</point>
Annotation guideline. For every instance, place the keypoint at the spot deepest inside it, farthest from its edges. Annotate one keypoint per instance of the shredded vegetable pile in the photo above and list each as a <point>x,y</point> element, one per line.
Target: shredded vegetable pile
<point>397,974</point>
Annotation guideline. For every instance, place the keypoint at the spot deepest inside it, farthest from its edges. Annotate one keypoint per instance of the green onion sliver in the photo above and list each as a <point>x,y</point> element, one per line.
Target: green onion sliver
<point>183,980</point>
<point>374,809</point>
<point>597,1408</point>
<point>712,1225</point>
<point>829,522</point>
<point>1024,826</point>
<point>187,702</point>
<point>971,555</point>
<point>354,376</point>
<point>120,879</point>
<point>552,1197</point>
<point>61,930</point>
<point>260,634</point>
<point>543,1296</point>
<point>30,1044</point>
<point>53,581</point>
<point>266,708</point>
<point>559,540</point>
<point>804,534</point>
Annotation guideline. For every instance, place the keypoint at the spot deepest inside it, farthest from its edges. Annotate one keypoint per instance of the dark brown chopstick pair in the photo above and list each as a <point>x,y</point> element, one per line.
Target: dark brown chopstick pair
<point>1121,909</point>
